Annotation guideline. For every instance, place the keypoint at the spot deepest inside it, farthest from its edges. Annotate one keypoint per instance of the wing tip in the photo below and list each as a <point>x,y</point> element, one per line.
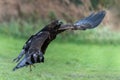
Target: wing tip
<point>101,16</point>
<point>93,20</point>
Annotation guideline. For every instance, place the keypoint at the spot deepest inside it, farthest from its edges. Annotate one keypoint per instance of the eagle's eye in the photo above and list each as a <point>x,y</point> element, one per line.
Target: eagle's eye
<point>54,25</point>
<point>60,22</point>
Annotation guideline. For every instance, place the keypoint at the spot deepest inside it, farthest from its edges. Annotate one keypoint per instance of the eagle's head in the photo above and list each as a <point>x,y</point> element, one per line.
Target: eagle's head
<point>55,25</point>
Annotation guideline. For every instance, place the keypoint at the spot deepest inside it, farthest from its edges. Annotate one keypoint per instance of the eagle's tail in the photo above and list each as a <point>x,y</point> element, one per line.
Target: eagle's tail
<point>22,63</point>
<point>30,59</point>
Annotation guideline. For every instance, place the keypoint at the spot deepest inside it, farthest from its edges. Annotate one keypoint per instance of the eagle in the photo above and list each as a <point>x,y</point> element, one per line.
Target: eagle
<point>34,49</point>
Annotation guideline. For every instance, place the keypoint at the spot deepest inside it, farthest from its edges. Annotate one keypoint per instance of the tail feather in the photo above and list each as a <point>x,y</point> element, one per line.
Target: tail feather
<point>21,64</point>
<point>30,59</point>
<point>19,56</point>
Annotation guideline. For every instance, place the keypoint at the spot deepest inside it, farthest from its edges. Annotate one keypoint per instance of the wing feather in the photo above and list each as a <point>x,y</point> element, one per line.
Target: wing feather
<point>39,40</point>
<point>35,42</point>
<point>89,22</point>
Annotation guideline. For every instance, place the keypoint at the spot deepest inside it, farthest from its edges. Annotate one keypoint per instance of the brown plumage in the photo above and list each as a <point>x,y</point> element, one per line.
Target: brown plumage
<point>35,47</point>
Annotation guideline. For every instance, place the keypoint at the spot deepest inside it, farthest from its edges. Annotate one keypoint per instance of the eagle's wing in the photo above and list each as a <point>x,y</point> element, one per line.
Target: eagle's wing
<point>31,56</point>
<point>89,22</point>
<point>25,48</point>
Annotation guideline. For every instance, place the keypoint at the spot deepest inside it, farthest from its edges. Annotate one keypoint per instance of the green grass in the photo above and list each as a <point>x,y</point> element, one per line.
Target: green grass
<point>63,61</point>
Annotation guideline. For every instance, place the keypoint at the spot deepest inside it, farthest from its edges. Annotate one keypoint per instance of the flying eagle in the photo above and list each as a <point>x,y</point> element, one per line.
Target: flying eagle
<point>35,47</point>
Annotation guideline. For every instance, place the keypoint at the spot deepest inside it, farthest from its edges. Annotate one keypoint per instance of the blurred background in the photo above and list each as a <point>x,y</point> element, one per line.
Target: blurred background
<point>87,55</point>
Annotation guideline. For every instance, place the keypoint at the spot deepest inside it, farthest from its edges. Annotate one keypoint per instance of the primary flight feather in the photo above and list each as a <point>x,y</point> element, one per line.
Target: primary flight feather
<point>34,49</point>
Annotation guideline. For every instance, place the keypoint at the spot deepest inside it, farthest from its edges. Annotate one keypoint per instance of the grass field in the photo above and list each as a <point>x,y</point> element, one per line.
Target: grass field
<point>63,61</point>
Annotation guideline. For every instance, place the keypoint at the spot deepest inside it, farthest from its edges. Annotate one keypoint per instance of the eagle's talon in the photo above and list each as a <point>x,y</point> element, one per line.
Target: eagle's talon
<point>31,66</point>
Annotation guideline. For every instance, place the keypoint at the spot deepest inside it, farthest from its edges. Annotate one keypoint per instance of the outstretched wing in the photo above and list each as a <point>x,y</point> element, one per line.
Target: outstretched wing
<point>89,22</point>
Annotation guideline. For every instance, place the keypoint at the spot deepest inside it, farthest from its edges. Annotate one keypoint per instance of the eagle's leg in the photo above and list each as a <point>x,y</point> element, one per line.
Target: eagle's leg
<point>35,58</point>
<point>29,62</point>
<point>31,67</point>
<point>19,56</point>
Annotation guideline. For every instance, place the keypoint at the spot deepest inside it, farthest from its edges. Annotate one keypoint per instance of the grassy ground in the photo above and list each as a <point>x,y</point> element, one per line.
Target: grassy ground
<point>63,61</point>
